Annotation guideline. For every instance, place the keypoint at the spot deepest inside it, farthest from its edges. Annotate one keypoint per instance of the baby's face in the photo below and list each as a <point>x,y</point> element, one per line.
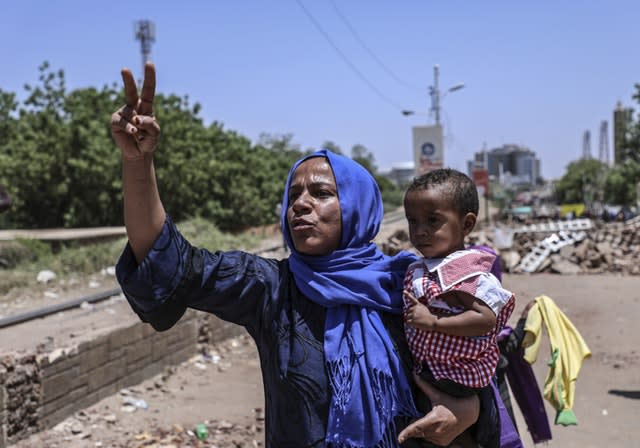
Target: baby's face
<point>436,228</point>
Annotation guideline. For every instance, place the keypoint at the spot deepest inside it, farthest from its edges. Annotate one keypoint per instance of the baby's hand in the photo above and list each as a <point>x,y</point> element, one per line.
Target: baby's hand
<point>417,314</point>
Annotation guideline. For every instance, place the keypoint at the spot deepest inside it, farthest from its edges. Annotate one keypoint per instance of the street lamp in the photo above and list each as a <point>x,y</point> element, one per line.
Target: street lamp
<point>436,97</point>
<point>435,92</point>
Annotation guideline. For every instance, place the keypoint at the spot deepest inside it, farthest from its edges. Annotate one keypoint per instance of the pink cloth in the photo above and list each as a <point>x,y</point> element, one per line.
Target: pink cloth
<point>470,361</point>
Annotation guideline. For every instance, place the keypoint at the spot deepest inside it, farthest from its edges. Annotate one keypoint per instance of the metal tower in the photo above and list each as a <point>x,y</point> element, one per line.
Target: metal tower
<point>586,145</point>
<point>604,143</point>
<point>145,32</point>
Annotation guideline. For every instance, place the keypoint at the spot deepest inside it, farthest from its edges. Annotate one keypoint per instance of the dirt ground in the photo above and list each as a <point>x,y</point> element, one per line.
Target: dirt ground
<point>224,391</point>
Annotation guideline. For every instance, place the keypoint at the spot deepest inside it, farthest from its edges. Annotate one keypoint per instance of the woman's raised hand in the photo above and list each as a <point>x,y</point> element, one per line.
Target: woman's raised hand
<point>133,126</point>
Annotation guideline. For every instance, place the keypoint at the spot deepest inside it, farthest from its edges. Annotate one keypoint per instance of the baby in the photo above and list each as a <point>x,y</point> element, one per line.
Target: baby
<point>454,307</point>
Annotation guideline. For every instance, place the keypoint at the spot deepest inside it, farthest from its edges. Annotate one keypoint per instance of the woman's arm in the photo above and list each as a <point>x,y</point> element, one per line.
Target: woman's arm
<point>144,213</point>
<point>136,132</point>
<point>175,276</point>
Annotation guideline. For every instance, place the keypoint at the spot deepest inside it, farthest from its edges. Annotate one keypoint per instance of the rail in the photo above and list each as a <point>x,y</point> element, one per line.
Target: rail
<point>63,234</point>
<point>52,309</point>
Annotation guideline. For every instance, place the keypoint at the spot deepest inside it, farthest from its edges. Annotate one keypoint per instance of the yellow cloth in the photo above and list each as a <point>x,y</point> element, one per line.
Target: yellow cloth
<point>568,350</point>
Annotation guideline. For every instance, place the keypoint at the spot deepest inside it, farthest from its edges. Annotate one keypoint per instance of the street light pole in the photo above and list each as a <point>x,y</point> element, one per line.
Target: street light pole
<point>435,94</point>
<point>434,90</point>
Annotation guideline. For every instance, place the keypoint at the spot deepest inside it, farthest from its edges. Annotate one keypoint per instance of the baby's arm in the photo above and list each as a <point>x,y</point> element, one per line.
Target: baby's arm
<point>477,319</point>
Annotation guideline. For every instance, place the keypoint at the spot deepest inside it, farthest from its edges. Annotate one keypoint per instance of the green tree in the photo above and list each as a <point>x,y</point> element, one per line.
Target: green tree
<point>622,179</point>
<point>364,157</point>
<point>35,164</point>
<point>631,139</point>
<point>579,184</point>
<point>621,183</point>
<point>93,162</point>
<point>331,146</point>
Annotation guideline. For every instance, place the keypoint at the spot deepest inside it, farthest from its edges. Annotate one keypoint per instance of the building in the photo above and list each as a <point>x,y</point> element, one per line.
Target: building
<point>402,173</point>
<point>510,165</point>
<point>621,124</point>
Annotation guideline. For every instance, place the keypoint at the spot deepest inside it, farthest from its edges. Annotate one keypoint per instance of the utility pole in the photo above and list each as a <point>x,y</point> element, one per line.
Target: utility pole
<point>434,90</point>
<point>145,32</point>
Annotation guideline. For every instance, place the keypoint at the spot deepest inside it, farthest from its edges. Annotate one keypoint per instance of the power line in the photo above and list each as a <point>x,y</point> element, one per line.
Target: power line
<point>346,60</point>
<point>382,65</point>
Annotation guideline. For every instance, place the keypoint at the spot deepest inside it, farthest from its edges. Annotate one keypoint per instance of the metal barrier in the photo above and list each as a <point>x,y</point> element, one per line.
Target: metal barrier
<point>553,243</point>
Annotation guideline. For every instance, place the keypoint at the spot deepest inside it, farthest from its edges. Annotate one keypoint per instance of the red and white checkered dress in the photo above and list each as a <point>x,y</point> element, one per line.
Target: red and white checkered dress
<point>470,361</point>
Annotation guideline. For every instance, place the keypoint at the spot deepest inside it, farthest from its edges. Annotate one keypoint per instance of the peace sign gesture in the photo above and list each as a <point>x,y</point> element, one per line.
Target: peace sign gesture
<point>133,126</point>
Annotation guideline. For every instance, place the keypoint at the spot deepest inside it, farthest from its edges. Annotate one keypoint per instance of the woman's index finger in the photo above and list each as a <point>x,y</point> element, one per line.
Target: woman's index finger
<point>130,88</point>
<point>148,89</point>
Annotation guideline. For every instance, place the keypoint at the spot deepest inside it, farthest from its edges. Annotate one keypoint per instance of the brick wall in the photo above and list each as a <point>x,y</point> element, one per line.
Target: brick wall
<point>39,390</point>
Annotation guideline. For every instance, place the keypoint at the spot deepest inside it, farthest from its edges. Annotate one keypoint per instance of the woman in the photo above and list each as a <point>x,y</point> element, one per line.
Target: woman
<point>326,321</point>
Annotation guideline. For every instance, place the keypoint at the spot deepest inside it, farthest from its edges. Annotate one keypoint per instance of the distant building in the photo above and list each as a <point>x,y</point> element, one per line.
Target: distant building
<point>402,173</point>
<point>621,123</point>
<point>511,165</point>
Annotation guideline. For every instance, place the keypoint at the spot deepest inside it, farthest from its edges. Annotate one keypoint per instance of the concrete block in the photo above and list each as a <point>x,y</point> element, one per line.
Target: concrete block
<point>142,372</point>
<point>116,352</point>
<point>125,336</point>
<point>182,355</point>
<point>142,349</point>
<point>58,385</point>
<point>106,374</point>
<point>64,411</point>
<point>159,346</point>
<point>93,355</point>
<point>57,362</point>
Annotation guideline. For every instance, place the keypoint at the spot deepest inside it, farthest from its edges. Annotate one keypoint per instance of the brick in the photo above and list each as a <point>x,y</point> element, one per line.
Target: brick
<point>105,391</point>
<point>141,350</point>
<point>116,352</point>
<point>60,364</point>
<point>58,385</point>
<point>93,356</point>
<point>142,373</point>
<point>183,354</point>
<point>50,420</point>
<point>109,373</point>
<point>126,336</point>
<point>80,380</point>
<point>159,348</point>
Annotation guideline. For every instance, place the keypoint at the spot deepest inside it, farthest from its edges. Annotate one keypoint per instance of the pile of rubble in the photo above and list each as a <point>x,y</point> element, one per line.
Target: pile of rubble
<point>580,246</point>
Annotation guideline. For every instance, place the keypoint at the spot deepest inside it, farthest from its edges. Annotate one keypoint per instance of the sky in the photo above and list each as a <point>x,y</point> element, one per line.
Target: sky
<point>538,74</point>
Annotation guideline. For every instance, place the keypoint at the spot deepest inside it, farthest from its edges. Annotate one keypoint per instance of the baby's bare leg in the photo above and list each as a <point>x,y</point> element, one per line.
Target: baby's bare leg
<point>448,418</point>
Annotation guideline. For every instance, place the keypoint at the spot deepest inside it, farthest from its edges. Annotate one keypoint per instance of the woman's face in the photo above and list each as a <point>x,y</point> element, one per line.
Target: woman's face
<point>313,216</point>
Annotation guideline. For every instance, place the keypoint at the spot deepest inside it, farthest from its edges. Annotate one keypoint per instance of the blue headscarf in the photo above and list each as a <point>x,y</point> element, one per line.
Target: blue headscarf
<point>355,283</point>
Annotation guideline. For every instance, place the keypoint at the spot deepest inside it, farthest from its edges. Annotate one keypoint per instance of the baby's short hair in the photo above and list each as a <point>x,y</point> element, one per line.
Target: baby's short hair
<point>458,186</point>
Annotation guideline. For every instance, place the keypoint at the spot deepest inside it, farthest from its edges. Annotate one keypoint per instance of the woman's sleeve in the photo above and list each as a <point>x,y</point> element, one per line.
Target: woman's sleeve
<point>175,275</point>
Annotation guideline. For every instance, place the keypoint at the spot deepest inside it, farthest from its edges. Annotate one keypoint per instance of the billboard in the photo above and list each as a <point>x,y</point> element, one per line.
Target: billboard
<point>428,152</point>
<point>480,177</point>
